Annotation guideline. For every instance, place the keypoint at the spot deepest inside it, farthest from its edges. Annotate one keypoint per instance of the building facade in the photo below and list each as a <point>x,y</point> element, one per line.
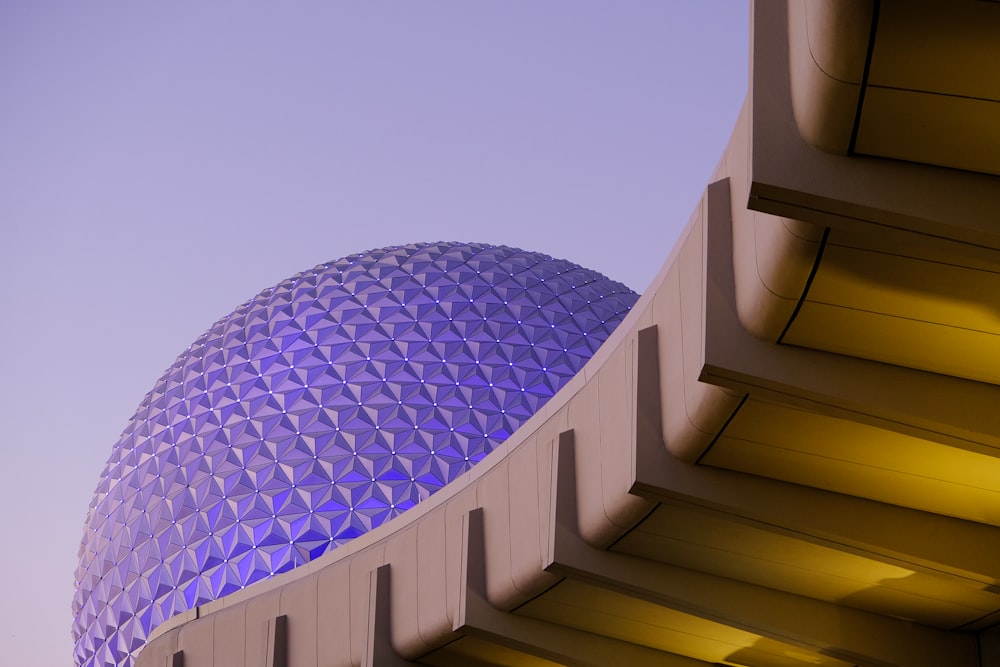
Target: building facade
<point>787,454</point>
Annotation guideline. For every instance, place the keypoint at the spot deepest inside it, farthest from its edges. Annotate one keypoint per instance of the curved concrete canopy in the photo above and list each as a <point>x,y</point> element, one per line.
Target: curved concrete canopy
<point>786,455</point>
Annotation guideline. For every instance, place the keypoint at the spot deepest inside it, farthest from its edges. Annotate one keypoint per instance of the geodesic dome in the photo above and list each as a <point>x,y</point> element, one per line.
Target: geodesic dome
<point>318,410</point>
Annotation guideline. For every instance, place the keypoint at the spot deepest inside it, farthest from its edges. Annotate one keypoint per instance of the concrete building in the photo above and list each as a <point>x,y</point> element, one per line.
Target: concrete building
<point>789,452</point>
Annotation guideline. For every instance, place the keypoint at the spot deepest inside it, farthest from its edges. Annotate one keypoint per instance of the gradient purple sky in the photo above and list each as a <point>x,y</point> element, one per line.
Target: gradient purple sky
<point>160,163</point>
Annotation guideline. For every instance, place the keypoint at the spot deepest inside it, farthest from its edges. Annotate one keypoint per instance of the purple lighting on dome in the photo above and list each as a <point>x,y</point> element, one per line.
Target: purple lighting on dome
<point>319,410</point>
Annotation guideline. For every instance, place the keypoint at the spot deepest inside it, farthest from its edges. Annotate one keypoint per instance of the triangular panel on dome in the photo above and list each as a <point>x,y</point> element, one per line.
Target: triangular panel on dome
<point>318,410</point>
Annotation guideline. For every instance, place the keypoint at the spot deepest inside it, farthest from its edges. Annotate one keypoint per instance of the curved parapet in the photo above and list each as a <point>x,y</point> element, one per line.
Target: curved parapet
<point>774,257</point>
<point>829,50</point>
<point>691,411</point>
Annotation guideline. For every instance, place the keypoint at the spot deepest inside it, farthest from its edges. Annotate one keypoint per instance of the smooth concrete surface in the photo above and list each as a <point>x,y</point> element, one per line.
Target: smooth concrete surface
<point>787,455</point>
<point>898,79</point>
<point>925,100</point>
<point>829,43</point>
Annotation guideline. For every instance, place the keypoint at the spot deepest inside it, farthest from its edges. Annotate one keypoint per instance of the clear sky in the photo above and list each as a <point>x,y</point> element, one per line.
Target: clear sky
<point>162,162</point>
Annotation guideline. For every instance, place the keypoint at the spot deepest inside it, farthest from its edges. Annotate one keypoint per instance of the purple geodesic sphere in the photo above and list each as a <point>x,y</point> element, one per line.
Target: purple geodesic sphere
<point>318,410</point>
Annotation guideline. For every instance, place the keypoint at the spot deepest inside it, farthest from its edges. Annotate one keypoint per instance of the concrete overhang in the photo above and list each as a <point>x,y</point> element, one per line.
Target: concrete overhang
<point>736,477</point>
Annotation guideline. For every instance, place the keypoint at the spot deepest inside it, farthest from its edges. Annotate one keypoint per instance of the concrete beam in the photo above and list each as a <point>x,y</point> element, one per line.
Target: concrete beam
<point>854,636</point>
<point>551,641</point>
